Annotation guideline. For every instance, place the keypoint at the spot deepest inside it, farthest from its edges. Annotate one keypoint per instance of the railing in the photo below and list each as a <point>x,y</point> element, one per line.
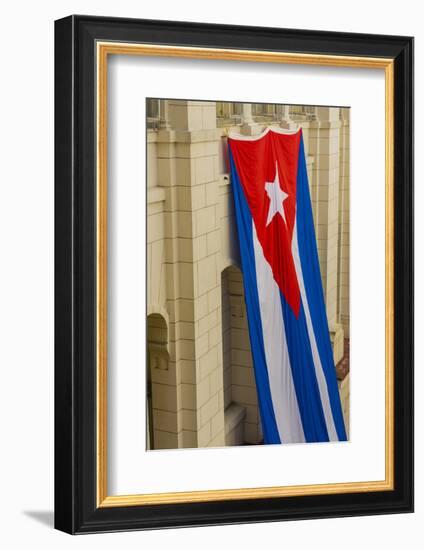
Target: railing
<point>152,113</point>
<point>231,113</point>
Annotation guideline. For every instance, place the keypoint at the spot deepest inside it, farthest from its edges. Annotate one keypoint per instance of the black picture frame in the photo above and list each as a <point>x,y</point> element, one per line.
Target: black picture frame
<point>76,510</point>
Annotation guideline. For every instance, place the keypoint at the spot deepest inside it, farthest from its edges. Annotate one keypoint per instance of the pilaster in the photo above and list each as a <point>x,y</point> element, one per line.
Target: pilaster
<point>324,145</point>
<point>188,157</point>
<point>249,127</point>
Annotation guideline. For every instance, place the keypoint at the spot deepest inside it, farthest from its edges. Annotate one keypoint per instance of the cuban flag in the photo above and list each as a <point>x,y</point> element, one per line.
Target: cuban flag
<point>288,328</point>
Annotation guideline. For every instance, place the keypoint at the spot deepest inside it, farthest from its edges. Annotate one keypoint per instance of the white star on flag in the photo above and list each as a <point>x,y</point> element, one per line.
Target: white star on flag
<point>276,196</point>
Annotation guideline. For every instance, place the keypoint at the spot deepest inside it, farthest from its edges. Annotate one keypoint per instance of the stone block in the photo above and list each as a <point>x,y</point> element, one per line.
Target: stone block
<point>251,433</point>
<point>205,220</point>
<point>199,248</point>
<point>213,242</point>
<point>184,172</point>
<point>221,398</point>
<point>208,363</point>
<point>203,391</point>
<point>215,381</point>
<point>184,224</point>
<point>195,118</point>
<point>209,115</point>
<point>189,439</point>
<point>217,424</point>
<point>214,298</point>
<point>198,197</point>
<point>244,395</point>
<point>186,280</point>
<point>183,250</point>
<point>163,375</point>
<point>187,369</point>
<point>200,306</point>
<point>183,198</point>
<point>188,150</point>
<point>337,341</point>
<point>171,277</point>
<point>234,424</point>
<point>207,274</point>
<point>252,414</point>
<point>243,376</point>
<point>183,309</point>
<point>202,344</point>
<point>185,349</point>
<point>218,440</point>
<point>155,227</point>
<point>240,339</point>
<point>328,114</point>
<point>225,204</point>
<point>188,396</point>
<point>208,322</point>
<point>184,117</point>
<point>204,435</point>
<point>235,437</point>
<point>165,440</point>
<point>241,357</point>
<point>209,409</point>
<point>165,172</point>
<point>165,150</point>
<point>170,250</point>
<point>228,397</point>
<point>156,207</point>
<point>204,169</point>
<point>165,420</point>
<point>164,397</point>
<point>215,336</point>
<point>212,193</point>
<point>240,322</point>
<point>189,419</point>
<point>324,145</point>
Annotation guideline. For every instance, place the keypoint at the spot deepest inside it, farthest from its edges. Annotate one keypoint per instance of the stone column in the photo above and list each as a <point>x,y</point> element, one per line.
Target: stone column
<point>164,410</point>
<point>188,159</point>
<point>249,126</point>
<point>324,145</point>
<point>343,297</point>
<point>163,114</point>
<point>285,121</point>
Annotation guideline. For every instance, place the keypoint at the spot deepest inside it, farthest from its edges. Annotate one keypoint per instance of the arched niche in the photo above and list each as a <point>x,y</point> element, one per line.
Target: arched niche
<point>242,422</point>
<point>157,367</point>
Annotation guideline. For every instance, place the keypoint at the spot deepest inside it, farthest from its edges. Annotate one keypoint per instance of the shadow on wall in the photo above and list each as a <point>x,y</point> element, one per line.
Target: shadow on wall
<point>45,517</point>
<point>242,421</point>
<point>158,387</point>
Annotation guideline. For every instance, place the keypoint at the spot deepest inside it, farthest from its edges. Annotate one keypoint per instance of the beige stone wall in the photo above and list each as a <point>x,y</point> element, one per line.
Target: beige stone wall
<point>344,219</point>
<point>186,157</point>
<point>239,378</point>
<point>324,146</point>
<point>203,390</point>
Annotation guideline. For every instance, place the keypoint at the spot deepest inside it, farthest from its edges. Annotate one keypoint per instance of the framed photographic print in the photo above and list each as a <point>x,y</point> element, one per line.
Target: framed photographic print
<point>234,274</point>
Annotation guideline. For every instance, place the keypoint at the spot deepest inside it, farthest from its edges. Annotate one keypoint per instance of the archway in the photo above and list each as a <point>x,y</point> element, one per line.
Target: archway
<point>242,420</point>
<point>157,365</point>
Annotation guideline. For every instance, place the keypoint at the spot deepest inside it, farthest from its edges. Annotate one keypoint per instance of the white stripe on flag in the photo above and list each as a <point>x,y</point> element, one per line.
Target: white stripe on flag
<point>283,393</point>
<point>322,383</point>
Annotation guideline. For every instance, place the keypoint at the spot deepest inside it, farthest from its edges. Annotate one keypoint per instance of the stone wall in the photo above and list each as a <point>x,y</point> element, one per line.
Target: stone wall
<point>203,389</point>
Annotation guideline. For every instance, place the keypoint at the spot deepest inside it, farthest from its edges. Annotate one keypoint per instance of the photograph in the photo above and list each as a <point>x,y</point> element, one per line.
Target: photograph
<point>234,274</point>
<point>211,278</point>
<point>247,269</point>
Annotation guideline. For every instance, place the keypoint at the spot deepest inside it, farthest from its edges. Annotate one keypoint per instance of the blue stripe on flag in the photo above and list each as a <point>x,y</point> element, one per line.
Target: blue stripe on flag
<point>313,286</point>
<point>303,372</point>
<point>244,227</point>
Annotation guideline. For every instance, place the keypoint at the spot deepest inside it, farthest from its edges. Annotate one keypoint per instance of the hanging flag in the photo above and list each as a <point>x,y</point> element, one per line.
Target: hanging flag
<point>290,342</point>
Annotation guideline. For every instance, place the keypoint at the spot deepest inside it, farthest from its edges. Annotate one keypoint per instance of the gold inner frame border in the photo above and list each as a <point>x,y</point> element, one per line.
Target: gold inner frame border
<point>103,50</point>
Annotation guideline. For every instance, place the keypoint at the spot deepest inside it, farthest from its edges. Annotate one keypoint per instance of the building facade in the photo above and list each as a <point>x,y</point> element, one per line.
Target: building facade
<point>200,381</point>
